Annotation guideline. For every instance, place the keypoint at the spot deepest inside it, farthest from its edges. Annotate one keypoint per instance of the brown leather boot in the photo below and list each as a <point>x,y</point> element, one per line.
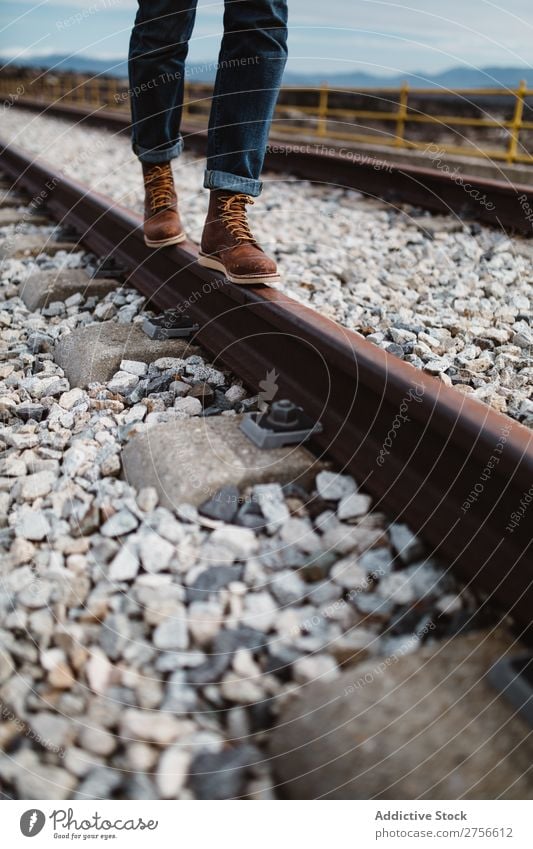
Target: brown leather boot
<point>228,244</point>
<point>162,225</point>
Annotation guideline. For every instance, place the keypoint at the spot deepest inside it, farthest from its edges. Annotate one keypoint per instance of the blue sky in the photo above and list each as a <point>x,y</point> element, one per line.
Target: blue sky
<point>376,36</point>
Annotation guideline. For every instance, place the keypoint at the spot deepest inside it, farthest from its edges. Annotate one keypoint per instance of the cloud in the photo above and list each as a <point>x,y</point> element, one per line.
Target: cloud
<point>342,34</point>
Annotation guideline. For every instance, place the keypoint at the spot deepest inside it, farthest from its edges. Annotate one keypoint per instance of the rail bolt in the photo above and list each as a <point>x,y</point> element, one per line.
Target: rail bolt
<point>283,413</point>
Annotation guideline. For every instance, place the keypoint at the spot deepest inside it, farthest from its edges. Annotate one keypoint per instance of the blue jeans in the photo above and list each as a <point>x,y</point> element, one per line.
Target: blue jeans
<point>249,71</point>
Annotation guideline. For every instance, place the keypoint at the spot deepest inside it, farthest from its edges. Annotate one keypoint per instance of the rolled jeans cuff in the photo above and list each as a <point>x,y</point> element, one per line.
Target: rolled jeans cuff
<point>156,155</point>
<point>232,183</point>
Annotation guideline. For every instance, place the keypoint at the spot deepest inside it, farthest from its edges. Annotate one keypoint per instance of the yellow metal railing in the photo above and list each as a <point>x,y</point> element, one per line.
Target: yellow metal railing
<point>401,118</point>
<point>308,111</point>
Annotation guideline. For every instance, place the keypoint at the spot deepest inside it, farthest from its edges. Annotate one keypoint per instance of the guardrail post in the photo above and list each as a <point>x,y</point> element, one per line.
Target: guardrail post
<point>54,90</point>
<point>95,92</point>
<point>111,93</point>
<point>322,123</point>
<point>75,90</point>
<point>516,123</point>
<point>402,115</point>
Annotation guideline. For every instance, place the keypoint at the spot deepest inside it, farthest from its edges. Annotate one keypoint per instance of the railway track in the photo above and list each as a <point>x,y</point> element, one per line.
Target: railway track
<point>439,189</point>
<point>452,469</point>
<point>456,471</point>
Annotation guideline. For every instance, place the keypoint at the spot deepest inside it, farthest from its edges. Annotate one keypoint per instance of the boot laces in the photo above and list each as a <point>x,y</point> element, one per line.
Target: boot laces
<point>233,213</point>
<point>160,187</point>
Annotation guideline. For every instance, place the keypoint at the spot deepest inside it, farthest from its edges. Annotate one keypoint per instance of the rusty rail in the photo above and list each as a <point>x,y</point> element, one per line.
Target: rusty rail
<point>499,203</point>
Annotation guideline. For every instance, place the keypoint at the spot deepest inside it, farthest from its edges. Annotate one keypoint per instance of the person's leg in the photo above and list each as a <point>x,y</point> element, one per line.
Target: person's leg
<point>251,63</point>
<point>158,48</point>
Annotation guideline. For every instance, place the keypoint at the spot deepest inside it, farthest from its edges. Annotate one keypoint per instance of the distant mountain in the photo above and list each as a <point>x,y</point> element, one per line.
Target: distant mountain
<point>458,77</point>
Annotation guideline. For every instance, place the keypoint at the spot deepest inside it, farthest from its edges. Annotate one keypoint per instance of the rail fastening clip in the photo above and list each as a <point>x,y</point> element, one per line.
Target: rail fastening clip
<point>170,325</point>
<point>283,424</point>
<point>110,268</point>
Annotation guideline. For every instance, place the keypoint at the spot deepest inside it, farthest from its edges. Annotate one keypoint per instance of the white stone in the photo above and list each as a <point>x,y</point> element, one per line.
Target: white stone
<point>259,611</point>
<point>188,406</point>
<point>318,667</point>
<point>288,587</point>
<point>172,772</point>
<point>148,499</point>
<point>52,729</point>
<point>97,740</point>
<point>240,690</point>
<point>69,399</point>
<point>405,542</point>
<point>125,565</point>
<point>245,665</point>
<point>13,466</point>
<point>32,525</point>
<point>21,551</point>
<point>134,367</point>
<point>122,382</point>
<point>449,604</point>
<point>397,588</point>
<point>332,486</point>
<point>171,634</point>
<point>270,498</point>
<point>205,621</point>
<point>155,552</point>
<point>98,670</point>
<point>235,393</point>
<point>150,726</point>
<point>164,363</point>
<point>348,573</point>
<point>141,757</point>
<point>36,485</point>
<point>300,533</point>
<point>241,541</point>
<point>120,523</point>
<point>354,505</point>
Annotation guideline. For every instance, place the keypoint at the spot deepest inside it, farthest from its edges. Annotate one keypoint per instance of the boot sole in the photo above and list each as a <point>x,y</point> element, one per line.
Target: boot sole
<point>164,243</point>
<point>250,280</point>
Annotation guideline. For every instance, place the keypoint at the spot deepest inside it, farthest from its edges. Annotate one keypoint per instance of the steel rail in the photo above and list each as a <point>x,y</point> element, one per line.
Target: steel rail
<point>454,469</point>
<point>442,189</point>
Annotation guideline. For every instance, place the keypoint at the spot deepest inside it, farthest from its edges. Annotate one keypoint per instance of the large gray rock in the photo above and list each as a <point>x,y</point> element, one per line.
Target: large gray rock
<point>13,247</point>
<point>421,726</point>
<point>189,460</point>
<point>93,354</point>
<point>44,287</point>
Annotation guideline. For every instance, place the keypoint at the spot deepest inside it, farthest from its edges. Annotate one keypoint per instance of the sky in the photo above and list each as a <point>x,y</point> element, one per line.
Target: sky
<point>375,36</point>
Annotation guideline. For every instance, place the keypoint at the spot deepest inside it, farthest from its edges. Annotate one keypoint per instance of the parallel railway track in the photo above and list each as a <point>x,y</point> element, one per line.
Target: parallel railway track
<point>439,189</point>
<point>449,448</point>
